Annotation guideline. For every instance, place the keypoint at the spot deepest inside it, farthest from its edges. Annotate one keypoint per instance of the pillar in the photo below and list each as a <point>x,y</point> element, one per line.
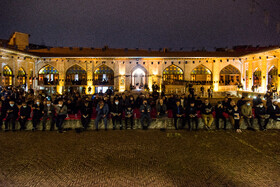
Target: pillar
<point>216,76</point>
<point>90,88</point>
<point>264,74</point>
<point>250,75</point>
<point>121,77</point>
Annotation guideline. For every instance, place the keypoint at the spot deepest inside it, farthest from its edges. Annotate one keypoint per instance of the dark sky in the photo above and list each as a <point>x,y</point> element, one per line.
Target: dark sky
<point>141,23</point>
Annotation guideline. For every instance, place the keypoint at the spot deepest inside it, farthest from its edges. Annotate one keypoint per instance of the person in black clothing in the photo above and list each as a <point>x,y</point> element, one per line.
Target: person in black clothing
<point>37,113</point>
<point>49,112</point>
<point>128,116</point>
<point>219,109</point>
<point>257,101</point>
<point>12,114</point>
<point>116,113</point>
<point>145,110</point>
<point>191,116</point>
<point>236,117</point>
<point>241,102</point>
<point>25,112</point>
<point>86,112</point>
<point>274,111</point>
<point>261,115</point>
<point>178,113</point>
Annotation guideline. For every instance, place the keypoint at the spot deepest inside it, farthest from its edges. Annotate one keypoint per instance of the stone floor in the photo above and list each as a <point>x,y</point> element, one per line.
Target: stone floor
<point>140,158</point>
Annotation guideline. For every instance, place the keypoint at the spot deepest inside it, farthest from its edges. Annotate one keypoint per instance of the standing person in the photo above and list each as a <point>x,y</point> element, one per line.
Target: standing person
<point>49,113</point>
<point>162,112</point>
<point>61,111</point>
<point>102,113</point>
<point>219,109</point>
<point>12,114</point>
<point>202,91</point>
<point>210,92</point>
<point>236,117</point>
<point>191,116</point>
<point>24,113</point>
<point>86,112</point>
<point>128,116</point>
<point>207,110</point>
<point>116,113</point>
<point>246,111</point>
<point>37,113</point>
<point>178,113</point>
<point>145,110</point>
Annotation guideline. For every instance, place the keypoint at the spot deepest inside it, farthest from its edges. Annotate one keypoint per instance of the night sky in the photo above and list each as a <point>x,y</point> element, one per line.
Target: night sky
<point>142,23</point>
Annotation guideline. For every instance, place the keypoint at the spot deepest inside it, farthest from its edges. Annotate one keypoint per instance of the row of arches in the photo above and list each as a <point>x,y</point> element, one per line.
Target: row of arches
<point>76,75</point>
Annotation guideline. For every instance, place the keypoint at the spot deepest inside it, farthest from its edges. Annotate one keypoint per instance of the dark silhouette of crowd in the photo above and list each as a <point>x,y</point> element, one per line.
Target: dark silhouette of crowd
<point>123,108</point>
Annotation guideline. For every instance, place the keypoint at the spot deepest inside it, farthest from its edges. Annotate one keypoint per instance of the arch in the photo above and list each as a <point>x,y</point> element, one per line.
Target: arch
<point>76,75</point>
<point>8,75</point>
<point>48,75</point>
<point>201,74</point>
<point>173,75</point>
<point>21,72</point>
<point>139,76</point>
<point>272,76</point>
<point>7,71</point>
<point>21,76</point>
<point>229,75</point>
<point>257,77</point>
<point>104,75</point>
<point>201,70</point>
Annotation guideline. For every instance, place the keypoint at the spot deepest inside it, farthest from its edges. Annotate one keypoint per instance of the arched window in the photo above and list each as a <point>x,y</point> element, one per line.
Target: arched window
<point>8,76</point>
<point>229,75</point>
<point>257,77</point>
<point>201,74</point>
<point>104,75</point>
<point>272,76</point>
<point>76,75</point>
<point>21,76</point>
<point>48,75</point>
<point>173,74</point>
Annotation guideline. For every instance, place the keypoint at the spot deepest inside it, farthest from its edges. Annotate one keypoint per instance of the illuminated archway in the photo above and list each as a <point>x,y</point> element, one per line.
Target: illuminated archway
<point>76,75</point>
<point>273,76</point>
<point>48,75</point>
<point>8,76</point>
<point>229,75</point>
<point>21,76</point>
<point>103,75</point>
<point>257,77</point>
<point>173,74</point>
<point>201,74</point>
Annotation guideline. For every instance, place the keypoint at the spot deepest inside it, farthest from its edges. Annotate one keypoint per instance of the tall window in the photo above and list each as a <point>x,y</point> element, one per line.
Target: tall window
<point>173,74</point>
<point>229,75</point>
<point>257,77</point>
<point>104,75</point>
<point>8,76</point>
<point>21,76</point>
<point>201,74</point>
<point>272,76</point>
<point>48,75</point>
<point>76,75</point>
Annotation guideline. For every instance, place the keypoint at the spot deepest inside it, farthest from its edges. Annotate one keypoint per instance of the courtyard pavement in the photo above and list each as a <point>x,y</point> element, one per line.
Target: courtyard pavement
<point>140,158</point>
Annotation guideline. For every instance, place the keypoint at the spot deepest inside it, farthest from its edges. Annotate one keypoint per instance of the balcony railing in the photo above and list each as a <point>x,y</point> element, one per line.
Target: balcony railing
<point>48,83</point>
<point>99,82</point>
<point>75,83</point>
<point>183,82</point>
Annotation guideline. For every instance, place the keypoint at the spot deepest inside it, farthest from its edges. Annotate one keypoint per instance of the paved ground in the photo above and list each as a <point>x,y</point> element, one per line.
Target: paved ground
<point>140,158</point>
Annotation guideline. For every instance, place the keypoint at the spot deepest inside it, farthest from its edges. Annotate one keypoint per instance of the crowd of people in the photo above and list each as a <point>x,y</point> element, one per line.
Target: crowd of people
<point>186,109</point>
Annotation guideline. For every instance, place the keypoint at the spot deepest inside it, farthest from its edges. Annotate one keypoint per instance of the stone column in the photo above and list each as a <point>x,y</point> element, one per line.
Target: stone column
<point>250,75</point>
<point>121,77</point>
<point>60,86</point>
<point>216,77</point>
<point>90,88</point>
<point>278,73</point>
<point>264,73</point>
